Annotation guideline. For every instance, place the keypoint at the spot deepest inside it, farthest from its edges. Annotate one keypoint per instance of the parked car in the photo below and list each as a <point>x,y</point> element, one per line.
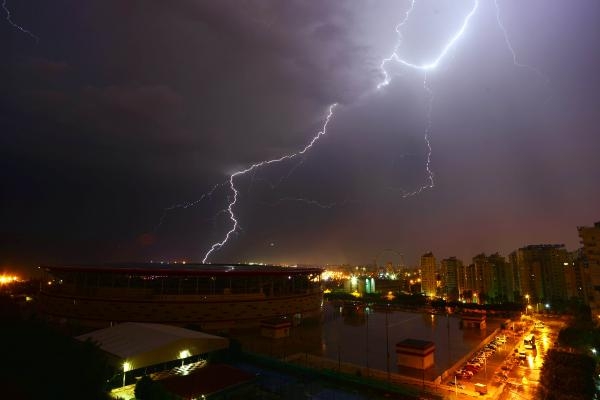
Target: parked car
<point>472,367</point>
<point>458,385</point>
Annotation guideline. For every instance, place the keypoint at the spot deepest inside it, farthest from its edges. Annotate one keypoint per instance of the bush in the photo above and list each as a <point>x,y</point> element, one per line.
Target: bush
<point>567,376</point>
<point>147,389</point>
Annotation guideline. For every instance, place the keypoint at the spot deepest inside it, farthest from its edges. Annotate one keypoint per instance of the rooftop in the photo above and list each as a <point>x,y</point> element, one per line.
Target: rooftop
<point>143,344</point>
<point>208,380</point>
<point>416,344</point>
<point>185,269</point>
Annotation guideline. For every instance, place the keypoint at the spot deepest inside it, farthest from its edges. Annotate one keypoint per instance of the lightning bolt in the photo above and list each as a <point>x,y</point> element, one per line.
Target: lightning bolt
<point>423,67</point>
<point>386,77</point>
<point>12,23</point>
<point>430,182</point>
<point>188,204</point>
<point>255,166</point>
<point>310,202</point>
<point>272,185</point>
<point>393,57</point>
<point>512,50</point>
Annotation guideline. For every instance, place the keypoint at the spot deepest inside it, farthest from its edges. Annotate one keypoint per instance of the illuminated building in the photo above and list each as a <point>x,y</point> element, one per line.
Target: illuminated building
<point>450,268</point>
<point>428,275</point>
<point>577,277</point>
<point>493,279</point>
<point>541,271</point>
<point>467,286</point>
<point>502,287</point>
<point>8,279</point>
<point>590,239</point>
<point>415,353</point>
<point>211,296</point>
<point>482,276</point>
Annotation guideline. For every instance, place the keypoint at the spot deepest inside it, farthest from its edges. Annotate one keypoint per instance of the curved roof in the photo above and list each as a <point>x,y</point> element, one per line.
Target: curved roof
<point>186,269</point>
<point>141,345</point>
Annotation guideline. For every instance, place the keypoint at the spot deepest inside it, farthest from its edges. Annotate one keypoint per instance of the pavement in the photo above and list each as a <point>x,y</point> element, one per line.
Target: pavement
<point>508,375</point>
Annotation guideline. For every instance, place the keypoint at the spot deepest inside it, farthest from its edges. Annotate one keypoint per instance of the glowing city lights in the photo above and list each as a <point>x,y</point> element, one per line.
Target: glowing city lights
<point>8,279</point>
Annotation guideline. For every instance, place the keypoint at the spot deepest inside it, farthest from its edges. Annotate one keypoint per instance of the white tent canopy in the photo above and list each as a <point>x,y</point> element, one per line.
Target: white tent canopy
<point>140,345</point>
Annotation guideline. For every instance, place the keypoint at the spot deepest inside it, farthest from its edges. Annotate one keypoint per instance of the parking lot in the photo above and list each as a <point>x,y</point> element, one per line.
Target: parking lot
<point>509,360</point>
<point>480,368</point>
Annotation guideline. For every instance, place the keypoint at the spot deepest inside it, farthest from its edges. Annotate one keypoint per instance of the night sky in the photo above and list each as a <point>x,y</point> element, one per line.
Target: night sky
<point>125,113</point>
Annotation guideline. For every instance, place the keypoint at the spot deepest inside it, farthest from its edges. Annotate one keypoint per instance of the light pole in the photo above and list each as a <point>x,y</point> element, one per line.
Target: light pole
<point>527,308</point>
<point>126,367</point>
<point>455,386</point>
<point>448,326</point>
<point>339,356</point>
<point>485,368</point>
<point>367,338</point>
<point>387,343</point>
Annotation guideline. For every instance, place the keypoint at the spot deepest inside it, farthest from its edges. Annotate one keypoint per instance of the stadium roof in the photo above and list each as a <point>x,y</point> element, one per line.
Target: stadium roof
<point>142,345</point>
<point>186,269</point>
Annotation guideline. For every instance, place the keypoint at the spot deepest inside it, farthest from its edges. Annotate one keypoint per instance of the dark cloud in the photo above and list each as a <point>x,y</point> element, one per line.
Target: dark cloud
<point>125,109</point>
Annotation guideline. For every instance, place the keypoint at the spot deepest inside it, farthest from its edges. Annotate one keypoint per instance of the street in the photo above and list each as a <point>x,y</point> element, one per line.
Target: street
<point>508,366</point>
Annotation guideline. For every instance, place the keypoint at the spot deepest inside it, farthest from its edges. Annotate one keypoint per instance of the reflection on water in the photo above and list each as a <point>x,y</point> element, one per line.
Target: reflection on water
<point>363,336</point>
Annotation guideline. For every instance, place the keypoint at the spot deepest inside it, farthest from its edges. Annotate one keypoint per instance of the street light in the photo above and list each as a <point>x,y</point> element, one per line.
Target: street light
<point>485,367</point>
<point>183,354</point>
<point>456,387</point>
<point>126,367</point>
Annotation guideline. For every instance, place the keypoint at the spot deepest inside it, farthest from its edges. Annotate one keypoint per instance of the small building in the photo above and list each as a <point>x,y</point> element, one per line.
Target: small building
<point>137,349</point>
<point>275,328</point>
<point>473,320</point>
<point>219,381</point>
<point>480,388</point>
<point>414,353</point>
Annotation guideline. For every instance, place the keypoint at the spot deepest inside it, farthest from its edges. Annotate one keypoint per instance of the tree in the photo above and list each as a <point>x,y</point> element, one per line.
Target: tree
<point>45,364</point>
<point>148,389</point>
<point>567,376</point>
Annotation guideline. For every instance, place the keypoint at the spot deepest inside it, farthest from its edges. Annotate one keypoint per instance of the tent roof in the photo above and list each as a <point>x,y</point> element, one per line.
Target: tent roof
<point>143,344</point>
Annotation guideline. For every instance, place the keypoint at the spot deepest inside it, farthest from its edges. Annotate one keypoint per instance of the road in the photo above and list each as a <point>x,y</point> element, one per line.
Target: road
<point>513,371</point>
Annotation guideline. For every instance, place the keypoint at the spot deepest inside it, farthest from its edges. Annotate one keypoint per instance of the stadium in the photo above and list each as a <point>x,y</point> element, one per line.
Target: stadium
<point>206,295</point>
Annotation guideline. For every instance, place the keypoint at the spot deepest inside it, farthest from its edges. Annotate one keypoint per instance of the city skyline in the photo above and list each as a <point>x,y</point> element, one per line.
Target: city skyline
<point>118,143</point>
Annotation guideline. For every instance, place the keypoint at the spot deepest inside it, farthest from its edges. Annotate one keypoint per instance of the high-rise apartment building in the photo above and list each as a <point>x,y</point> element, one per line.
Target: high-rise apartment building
<point>590,239</point>
<point>483,277</point>
<point>501,288</point>
<point>541,272</point>
<point>428,275</point>
<point>490,279</point>
<point>450,268</point>
<point>467,283</point>
<point>577,278</point>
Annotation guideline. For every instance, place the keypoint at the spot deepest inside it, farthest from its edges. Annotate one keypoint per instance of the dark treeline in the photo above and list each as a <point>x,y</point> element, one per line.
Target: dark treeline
<point>39,362</point>
<point>568,371</point>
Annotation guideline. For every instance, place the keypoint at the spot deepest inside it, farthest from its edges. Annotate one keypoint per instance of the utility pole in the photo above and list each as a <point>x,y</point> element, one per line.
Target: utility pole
<point>367,338</point>
<point>387,343</point>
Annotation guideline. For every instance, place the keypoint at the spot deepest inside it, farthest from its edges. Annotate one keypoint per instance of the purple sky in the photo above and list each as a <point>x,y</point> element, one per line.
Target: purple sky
<point>124,109</point>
